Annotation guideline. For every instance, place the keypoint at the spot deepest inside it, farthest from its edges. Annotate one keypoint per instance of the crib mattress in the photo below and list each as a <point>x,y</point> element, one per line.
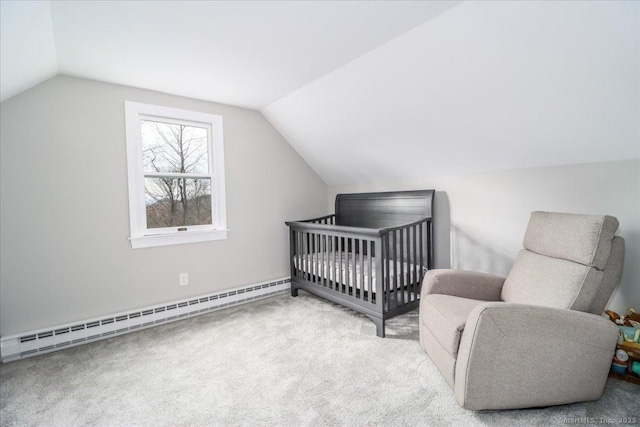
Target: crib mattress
<point>329,268</point>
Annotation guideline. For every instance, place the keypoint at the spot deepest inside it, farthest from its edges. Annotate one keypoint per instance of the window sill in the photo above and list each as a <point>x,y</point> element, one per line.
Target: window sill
<point>177,238</point>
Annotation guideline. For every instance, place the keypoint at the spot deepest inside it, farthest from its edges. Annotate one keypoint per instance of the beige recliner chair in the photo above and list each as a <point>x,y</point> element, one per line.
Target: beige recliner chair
<point>536,338</point>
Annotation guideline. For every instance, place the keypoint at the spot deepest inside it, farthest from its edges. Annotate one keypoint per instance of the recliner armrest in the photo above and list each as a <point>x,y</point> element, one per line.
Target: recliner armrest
<point>462,283</point>
<point>517,356</point>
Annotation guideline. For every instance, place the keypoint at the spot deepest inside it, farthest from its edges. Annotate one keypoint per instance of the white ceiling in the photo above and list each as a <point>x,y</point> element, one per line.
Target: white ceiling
<point>484,86</point>
<point>240,53</point>
<point>27,48</point>
<point>366,91</point>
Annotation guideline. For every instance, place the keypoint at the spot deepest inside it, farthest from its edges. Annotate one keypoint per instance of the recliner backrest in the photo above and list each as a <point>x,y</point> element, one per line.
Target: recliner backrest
<point>563,261</point>
<point>612,275</point>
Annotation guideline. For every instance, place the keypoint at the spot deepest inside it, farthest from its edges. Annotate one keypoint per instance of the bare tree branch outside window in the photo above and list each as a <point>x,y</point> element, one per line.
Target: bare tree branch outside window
<point>174,201</point>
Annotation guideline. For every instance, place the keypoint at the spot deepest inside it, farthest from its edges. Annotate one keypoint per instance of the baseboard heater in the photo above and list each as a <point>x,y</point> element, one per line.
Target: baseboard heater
<point>43,341</point>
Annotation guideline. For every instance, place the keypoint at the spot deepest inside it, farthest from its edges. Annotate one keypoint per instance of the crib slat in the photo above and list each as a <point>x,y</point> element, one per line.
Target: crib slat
<point>376,286</point>
<point>301,260</point>
<point>334,264</point>
<point>401,260</point>
<point>361,281</point>
<point>409,267</point>
<point>354,254</point>
<point>319,265</point>
<point>356,290</point>
<point>395,270</point>
<point>292,252</point>
<point>387,274</point>
<point>356,282</point>
<point>308,249</point>
<point>340,241</point>
<point>345,254</point>
<point>384,280</point>
<point>392,257</point>
<point>407,292</point>
<point>308,259</point>
<point>351,271</point>
<point>421,252</point>
<point>310,256</point>
<point>334,244</point>
<point>327,266</point>
<point>403,278</point>
<point>312,250</point>
<point>370,269</point>
<point>392,269</point>
<point>416,274</point>
<point>429,245</point>
<point>407,295</point>
<point>299,253</point>
<point>315,258</point>
<point>347,265</point>
<point>349,259</point>
<point>325,261</point>
<point>303,256</point>
<point>318,259</point>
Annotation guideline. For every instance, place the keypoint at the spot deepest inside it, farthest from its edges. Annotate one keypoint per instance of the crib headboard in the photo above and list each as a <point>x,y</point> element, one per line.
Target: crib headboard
<point>381,210</point>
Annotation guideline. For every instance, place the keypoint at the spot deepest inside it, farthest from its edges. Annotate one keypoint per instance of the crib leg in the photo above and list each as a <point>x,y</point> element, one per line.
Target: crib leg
<point>380,328</point>
<point>294,291</point>
<point>379,325</point>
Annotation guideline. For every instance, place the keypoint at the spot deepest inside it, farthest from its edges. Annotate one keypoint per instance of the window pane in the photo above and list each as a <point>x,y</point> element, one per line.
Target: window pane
<point>174,148</point>
<point>176,202</point>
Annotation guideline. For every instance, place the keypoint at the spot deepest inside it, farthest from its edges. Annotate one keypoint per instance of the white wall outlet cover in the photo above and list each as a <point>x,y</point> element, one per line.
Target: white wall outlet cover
<point>184,279</point>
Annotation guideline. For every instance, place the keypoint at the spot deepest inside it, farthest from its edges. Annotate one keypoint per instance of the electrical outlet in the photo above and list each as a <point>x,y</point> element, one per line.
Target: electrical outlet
<point>184,279</point>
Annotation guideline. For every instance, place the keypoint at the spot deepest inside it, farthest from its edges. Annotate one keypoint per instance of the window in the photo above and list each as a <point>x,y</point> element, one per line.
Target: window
<point>176,176</point>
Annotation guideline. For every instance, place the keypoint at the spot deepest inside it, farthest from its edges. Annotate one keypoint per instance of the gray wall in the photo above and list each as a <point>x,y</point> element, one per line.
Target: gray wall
<point>480,219</point>
<point>65,254</point>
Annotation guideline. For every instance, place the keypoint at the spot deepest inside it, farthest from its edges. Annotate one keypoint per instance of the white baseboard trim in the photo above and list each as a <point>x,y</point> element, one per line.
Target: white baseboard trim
<point>35,343</point>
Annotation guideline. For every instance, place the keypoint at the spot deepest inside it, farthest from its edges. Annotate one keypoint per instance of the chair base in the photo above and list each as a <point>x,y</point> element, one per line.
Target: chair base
<point>445,363</point>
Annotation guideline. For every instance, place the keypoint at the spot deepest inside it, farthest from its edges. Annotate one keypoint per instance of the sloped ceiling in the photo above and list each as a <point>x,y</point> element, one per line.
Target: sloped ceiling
<point>236,52</point>
<point>27,48</point>
<point>484,86</point>
<point>366,91</point>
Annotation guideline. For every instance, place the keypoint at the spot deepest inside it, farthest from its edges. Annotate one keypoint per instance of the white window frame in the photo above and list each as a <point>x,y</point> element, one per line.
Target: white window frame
<point>143,237</point>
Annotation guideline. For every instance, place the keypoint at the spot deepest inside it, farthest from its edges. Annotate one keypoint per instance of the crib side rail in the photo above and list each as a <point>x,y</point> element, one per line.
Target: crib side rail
<point>381,267</point>
<point>327,219</point>
<point>334,230</point>
<point>406,254</point>
<point>339,260</point>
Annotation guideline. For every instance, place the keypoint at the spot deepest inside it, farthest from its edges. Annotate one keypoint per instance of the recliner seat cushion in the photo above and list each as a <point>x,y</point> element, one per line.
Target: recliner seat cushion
<point>445,316</point>
<point>585,239</point>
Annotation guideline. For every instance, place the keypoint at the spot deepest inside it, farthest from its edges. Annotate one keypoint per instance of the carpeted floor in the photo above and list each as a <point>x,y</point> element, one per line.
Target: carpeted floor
<point>282,361</point>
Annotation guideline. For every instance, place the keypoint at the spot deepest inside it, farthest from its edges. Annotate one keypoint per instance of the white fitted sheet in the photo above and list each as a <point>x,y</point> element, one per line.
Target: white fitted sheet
<point>315,264</point>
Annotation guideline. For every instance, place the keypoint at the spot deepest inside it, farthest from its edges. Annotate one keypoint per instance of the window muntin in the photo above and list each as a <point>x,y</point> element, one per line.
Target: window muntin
<point>176,175</point>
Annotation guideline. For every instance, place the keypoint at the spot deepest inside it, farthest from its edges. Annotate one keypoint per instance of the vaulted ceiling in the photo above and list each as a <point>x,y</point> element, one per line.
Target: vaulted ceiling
<point>366,91</point>
<point>234,52</point>
<point>484,86</point>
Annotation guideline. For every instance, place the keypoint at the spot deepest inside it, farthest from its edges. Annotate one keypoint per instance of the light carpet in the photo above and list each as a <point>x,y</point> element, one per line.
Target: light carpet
<point>281,361</point>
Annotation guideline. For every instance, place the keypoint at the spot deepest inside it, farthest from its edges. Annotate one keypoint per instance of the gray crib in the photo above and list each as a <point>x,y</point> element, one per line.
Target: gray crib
<point>370,256</point>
